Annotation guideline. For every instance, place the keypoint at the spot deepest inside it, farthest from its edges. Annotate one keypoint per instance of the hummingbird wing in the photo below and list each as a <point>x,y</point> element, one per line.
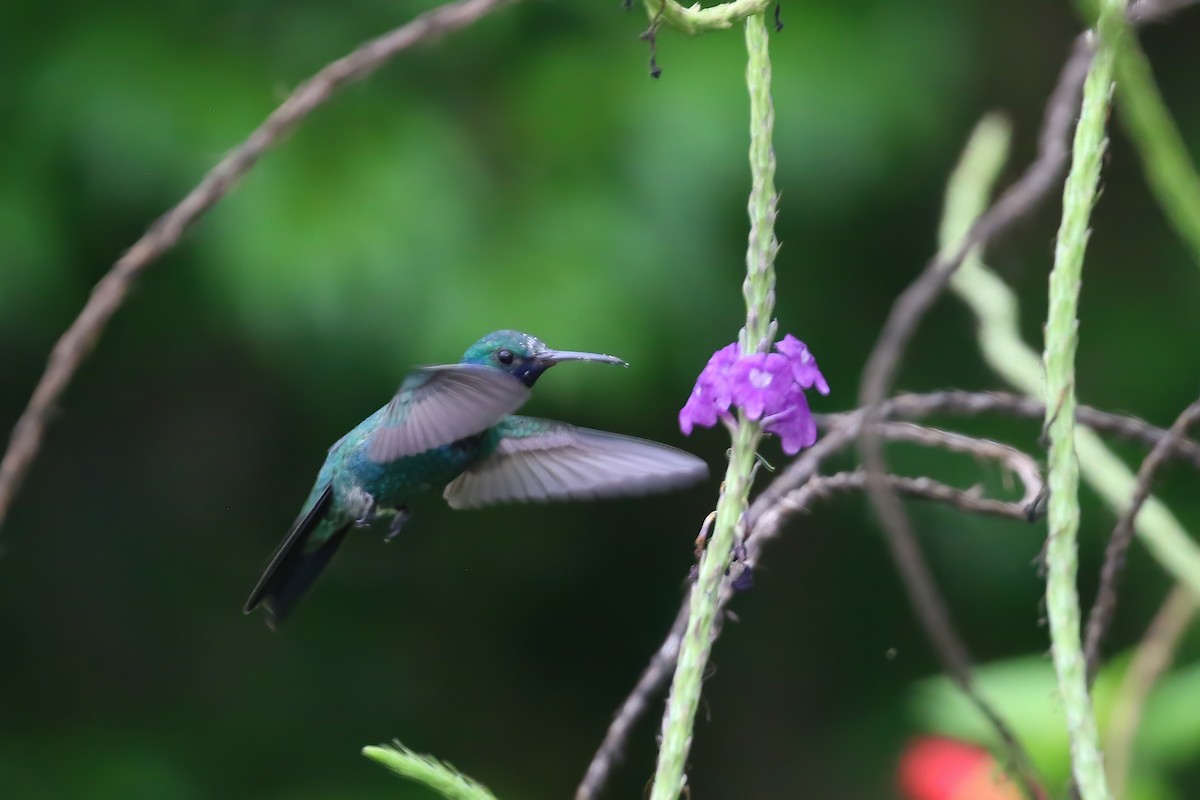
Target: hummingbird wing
<point>439,405</point>
<point>540,460</point>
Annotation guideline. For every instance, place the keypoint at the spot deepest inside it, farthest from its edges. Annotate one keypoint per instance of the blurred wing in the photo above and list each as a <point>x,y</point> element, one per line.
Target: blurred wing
<point>539,460</point>
<point>440,405</point>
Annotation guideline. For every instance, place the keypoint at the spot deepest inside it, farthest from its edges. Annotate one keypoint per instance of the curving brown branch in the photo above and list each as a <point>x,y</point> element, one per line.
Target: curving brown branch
<point>1118,544</point>
<point>1018,462</point>
<point>79,339</point>
<point>822,487</point>
<point>1136,430</point>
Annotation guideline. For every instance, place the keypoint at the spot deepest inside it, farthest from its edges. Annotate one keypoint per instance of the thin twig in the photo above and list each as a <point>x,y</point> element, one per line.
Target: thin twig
<point>1153,657</point>
<point>1136,430</point>
<point>653,678</point>
<point>79,339</point>
<point>1017,461</point>
<point>821,487</point>
<point>1118,544</point>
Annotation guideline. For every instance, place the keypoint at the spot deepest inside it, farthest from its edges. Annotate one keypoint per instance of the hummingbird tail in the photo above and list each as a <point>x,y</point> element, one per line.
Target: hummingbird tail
<point>294,567</point>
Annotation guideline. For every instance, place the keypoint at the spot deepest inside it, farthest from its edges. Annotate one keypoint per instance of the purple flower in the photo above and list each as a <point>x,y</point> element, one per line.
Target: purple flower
<point>804,366</point>
<point>766,386</point>
<point>713,393</point>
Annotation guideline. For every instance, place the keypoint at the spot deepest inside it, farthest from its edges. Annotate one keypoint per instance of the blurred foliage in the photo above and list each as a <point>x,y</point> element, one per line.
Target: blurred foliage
<point>523,173</point>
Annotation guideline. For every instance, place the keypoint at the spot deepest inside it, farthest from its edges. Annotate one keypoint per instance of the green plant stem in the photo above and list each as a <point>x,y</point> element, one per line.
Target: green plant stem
<point>759,291</point>
<point>762,247</point>
<point>669,778</point>
<point>997,309</point>
<point>426,770</point>
<point>1062,328</point>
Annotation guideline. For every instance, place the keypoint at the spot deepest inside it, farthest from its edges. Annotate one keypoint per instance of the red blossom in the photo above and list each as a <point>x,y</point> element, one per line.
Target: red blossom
<point>937,768</point>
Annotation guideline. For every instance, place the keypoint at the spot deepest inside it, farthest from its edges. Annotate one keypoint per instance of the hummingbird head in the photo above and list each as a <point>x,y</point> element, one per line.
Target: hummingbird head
<point>525,356</point>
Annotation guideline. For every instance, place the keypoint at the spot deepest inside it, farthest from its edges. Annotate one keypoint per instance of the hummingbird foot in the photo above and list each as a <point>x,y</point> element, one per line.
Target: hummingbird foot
<point>398,522</point>
<point>368,515</point>
<point>360,506</point>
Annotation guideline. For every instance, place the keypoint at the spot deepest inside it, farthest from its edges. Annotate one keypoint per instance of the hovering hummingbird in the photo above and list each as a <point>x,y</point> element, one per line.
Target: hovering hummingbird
<point>452,426</point>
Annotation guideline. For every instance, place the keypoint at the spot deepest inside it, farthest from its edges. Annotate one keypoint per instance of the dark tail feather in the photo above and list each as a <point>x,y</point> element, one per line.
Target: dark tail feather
<point>292,578</point>
<point>292,570</point>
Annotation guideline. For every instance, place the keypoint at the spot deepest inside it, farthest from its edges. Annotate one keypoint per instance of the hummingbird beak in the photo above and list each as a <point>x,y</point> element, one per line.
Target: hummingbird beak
<point>548,358</point>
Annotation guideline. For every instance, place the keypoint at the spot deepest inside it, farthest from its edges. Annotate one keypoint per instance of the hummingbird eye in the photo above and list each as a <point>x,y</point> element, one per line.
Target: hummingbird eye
<point>505,357</point>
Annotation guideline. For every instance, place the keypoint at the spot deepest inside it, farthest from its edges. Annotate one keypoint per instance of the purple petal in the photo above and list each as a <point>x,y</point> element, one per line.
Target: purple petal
<point>714,380</point>
<point>794,424</point>
<point>791,347</point>
<point>712,394</point>
<point>760,383</point>
<point>699,410</point>
<point>804,366</point>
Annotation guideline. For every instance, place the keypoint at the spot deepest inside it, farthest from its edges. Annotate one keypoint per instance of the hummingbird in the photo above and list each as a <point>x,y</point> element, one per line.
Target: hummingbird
<point>451,426</point>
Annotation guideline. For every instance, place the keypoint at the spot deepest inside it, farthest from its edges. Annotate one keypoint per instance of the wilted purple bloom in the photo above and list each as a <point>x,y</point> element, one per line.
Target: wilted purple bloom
<point>744,581</point>
<point>766,386</point>
<point>804,366</point>
<point>713,393</point>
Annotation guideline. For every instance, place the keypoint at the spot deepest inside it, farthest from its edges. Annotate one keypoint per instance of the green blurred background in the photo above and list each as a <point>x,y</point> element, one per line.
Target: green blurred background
<point>525,173</point>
